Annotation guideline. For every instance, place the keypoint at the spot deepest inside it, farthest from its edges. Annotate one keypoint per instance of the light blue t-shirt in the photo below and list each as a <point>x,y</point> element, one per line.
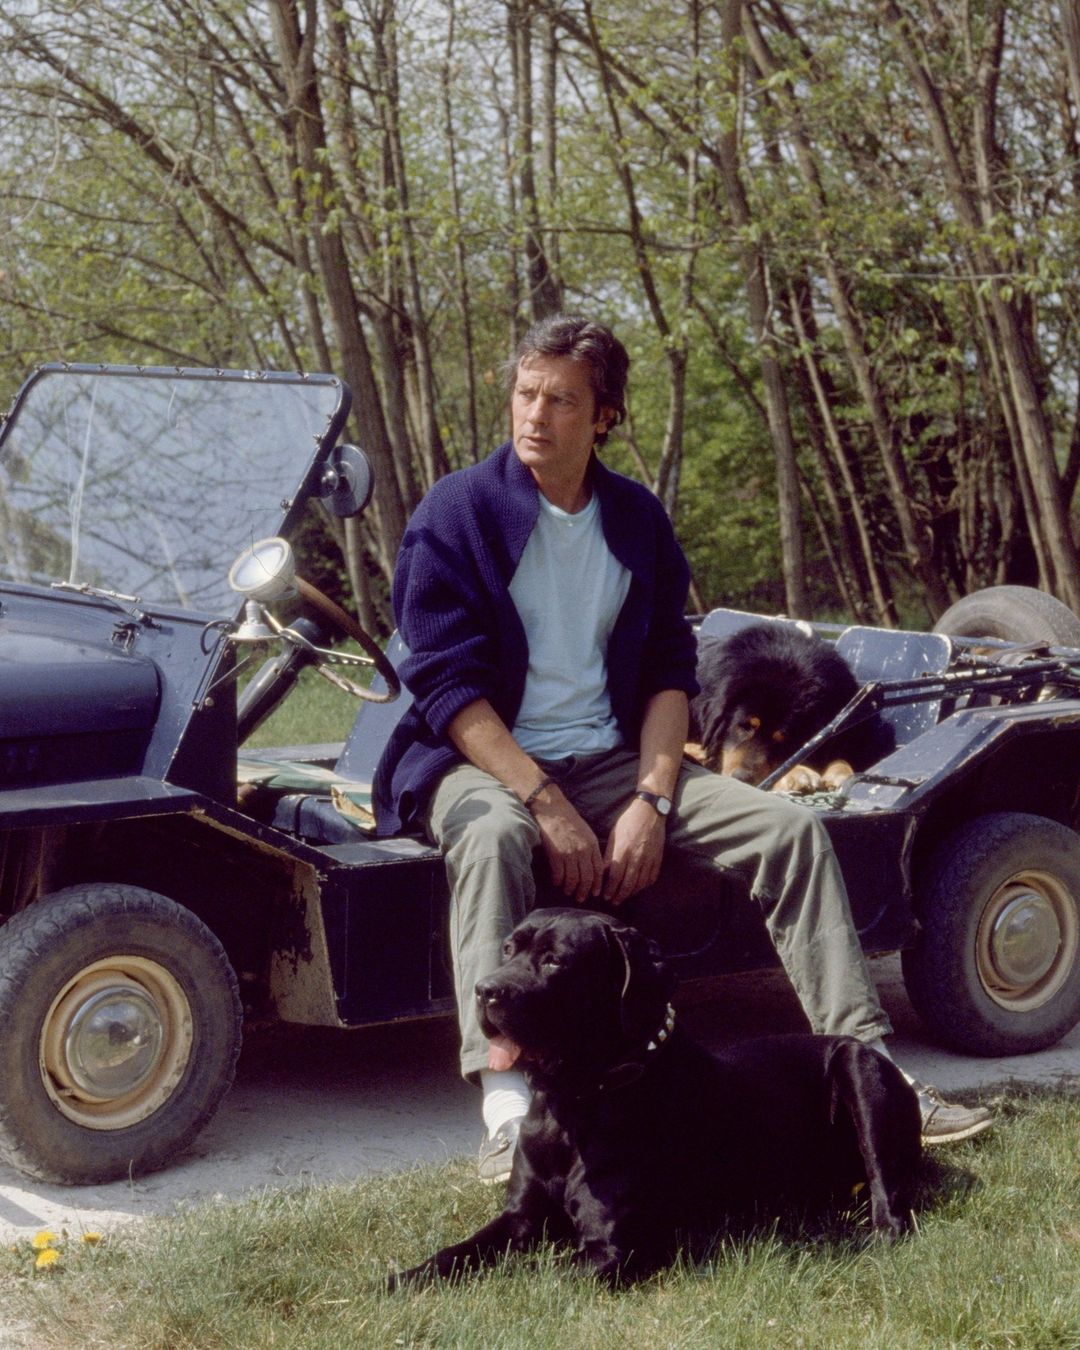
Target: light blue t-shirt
<point>568,590</point>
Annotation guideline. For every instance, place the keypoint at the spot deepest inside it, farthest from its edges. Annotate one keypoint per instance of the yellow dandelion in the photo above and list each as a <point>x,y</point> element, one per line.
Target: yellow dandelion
<point>92,1238</point>
<point>42,1240</point>
<point>47,1258</point>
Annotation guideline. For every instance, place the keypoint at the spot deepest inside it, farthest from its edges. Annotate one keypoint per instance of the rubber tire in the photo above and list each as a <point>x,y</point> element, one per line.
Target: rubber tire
<point>1012,614</point>
<point>941,969</point>
<point>44,947</point>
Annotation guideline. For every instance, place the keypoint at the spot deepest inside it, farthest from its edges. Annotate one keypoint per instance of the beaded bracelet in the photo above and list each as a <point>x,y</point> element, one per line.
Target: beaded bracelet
<point>543,783</point>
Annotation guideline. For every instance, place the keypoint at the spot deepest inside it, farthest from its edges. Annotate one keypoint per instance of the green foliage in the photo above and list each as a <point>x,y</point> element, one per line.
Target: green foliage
<point>167,195</point>
<point>314,713</point>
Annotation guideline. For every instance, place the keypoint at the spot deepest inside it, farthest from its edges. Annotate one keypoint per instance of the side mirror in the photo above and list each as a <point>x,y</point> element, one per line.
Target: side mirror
<point>347,481</point>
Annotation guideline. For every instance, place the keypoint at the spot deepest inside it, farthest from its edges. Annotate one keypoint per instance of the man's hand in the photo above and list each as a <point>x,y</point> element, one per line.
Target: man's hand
<point>573,851</point>
<point>635,850</point>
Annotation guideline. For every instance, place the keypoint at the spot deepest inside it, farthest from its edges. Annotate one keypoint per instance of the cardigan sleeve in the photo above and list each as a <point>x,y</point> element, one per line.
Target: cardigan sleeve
<point>443,610</point>
<point>670,656</point>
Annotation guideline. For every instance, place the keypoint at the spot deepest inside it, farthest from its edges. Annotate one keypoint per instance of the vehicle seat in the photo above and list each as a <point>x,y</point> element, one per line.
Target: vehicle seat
<point>374,723</point>
<point>891,654</point>
<point>329,805</point>
<point>722,623</point>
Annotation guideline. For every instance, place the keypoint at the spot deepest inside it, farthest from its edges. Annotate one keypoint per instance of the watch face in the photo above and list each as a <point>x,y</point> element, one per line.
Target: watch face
<point>663,805</point>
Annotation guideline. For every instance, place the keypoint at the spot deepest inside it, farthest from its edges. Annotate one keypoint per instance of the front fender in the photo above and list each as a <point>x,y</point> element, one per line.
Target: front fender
<point>968,744</point>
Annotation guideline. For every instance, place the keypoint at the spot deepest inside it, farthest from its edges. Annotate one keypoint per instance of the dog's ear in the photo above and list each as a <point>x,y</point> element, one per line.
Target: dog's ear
<point>710,717</point>
<point>646,981</point>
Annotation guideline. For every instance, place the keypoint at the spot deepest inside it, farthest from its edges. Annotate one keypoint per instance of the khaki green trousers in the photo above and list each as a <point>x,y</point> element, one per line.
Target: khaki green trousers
<point>777,849</point>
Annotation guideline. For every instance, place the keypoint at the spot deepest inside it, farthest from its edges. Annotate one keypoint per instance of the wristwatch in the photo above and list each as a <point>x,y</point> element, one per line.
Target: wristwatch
<point>661,804</point>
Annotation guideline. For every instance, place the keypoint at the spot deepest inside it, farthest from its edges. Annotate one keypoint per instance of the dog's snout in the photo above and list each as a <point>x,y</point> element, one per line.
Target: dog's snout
<point>487,993</point>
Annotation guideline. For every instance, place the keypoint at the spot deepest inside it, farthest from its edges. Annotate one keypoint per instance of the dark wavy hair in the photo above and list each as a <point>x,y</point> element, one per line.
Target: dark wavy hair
<point>582,340</point>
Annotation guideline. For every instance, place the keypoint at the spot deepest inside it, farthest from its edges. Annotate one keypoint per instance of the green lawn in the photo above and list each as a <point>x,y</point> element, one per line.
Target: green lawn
<point>315,712</point>
<point>996,1263</point>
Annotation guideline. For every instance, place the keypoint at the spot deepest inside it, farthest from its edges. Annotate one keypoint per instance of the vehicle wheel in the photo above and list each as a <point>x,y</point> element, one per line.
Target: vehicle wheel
<point>996,967</point>
<point>1012,614</point>
<point>120,1025</point>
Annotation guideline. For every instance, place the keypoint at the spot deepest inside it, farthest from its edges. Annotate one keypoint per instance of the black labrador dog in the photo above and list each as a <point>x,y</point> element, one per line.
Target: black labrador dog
<point>637,1135</point>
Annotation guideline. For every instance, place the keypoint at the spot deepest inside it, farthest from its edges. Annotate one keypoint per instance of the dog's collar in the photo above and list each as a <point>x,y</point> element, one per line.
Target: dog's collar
<point>630,1070</point>
<point>667,1026</point>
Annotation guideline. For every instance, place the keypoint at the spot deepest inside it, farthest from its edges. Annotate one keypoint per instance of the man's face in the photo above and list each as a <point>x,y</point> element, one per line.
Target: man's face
<point>554,416</point>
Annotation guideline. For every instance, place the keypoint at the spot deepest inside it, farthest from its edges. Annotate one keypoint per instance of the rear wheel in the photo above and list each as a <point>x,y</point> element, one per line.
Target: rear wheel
<point>121,1025</point>
<point>996,967</point>
<point>1012,614</point>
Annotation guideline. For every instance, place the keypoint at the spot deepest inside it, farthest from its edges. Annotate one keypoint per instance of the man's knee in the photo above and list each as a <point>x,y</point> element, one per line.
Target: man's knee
<point>798,825</point>
<point>481,831</point>
<point>786,829</point>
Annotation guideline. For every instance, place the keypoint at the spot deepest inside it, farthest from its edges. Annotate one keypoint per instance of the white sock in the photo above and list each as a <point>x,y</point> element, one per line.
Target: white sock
<point>882,1049</point>
<point>506,1097</point>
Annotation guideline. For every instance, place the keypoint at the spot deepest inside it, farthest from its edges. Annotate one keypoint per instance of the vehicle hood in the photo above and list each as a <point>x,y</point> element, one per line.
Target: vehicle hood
<point>54,686</point>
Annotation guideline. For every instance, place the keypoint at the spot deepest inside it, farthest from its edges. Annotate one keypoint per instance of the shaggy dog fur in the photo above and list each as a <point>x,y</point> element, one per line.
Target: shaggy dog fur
<point>638,1137</point>
<point>765,691</point>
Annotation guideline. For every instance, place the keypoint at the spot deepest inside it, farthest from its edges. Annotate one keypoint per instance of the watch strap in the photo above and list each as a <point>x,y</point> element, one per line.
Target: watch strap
<point>656,800</point>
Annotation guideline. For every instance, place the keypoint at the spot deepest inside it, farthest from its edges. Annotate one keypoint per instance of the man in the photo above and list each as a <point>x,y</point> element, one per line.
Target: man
<point>542,599</point>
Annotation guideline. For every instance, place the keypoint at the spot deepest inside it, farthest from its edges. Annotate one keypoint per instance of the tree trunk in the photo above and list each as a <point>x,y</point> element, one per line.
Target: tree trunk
<point>881,598</point>
<point>916,538</point>
<point>755,271</point>
<point>549,122</point>
<point>544,297</point>
<point>295,37</point>
<point>1070,37</point>
<point>675,346</point>
<point>432,450</point>
<point>1048,518</point>
<point>461,268</point>
<point>356,197</point>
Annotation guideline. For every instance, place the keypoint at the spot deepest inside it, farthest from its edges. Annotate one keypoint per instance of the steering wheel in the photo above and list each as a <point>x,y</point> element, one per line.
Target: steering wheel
<point>344,622</point>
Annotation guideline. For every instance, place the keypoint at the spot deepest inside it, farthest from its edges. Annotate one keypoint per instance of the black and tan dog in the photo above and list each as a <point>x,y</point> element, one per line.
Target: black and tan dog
<point>765,690</point>
<point>636,1135</point>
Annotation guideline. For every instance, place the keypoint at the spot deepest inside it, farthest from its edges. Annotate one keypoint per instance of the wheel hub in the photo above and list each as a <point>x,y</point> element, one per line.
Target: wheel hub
<point>113,1041</point>
<point>1026,938</point>
<point>1027,941</point>
<point>116,1042</point>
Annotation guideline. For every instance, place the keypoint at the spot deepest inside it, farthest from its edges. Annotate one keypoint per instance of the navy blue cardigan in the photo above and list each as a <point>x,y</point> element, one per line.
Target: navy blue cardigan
<point>454,611</point>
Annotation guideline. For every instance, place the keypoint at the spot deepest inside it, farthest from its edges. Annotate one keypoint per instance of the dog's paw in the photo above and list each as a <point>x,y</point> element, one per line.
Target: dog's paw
<point>399,1279</point>
<point>836,774</point>
<point>799,780</point>
<point>802,779</point>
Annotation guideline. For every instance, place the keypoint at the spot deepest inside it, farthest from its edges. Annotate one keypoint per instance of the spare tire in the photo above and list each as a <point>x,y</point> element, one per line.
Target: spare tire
<point>1012,614</point>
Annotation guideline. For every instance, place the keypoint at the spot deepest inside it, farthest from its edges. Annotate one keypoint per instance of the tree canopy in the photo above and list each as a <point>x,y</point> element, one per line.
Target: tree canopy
<point>838,239</point>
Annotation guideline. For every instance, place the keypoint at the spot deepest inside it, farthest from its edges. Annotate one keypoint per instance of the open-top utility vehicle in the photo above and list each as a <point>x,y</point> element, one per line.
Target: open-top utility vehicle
<point>158,881</point>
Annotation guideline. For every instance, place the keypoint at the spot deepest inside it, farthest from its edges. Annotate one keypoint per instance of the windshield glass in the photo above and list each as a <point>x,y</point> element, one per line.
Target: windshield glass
<point>149,483</point>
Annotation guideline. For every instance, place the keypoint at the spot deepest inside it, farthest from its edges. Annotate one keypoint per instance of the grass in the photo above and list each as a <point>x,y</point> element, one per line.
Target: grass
<point>315,712</point>
<point>996,1263</point>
